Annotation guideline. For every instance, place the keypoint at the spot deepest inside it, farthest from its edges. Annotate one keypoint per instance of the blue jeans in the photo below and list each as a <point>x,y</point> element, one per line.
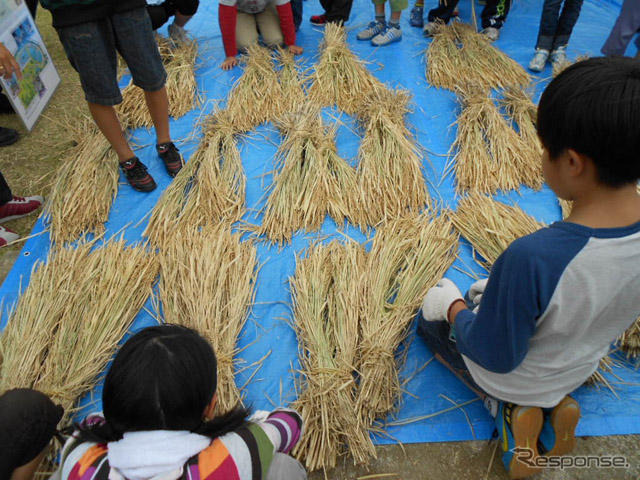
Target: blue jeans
<point>556,26</point>
<point>627,25</point>
<point>92,48</point>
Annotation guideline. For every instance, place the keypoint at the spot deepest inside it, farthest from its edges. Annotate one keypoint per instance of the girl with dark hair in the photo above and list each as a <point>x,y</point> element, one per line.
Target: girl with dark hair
<point>159,398</point>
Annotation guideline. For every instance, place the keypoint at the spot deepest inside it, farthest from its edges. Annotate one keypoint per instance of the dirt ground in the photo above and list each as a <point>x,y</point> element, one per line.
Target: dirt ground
<point>29,167</point>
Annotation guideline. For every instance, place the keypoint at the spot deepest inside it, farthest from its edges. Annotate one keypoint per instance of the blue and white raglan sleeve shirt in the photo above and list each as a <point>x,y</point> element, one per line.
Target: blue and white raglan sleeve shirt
<point>554,302</point>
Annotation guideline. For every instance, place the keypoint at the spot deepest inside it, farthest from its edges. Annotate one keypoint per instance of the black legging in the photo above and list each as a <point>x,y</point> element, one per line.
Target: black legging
<point>33,6</point>
<point>161,13</point>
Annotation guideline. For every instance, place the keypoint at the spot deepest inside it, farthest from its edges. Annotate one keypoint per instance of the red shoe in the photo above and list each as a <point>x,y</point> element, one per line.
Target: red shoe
<point>7,236</point>
<point>19,207</point>
<point>318,19</point>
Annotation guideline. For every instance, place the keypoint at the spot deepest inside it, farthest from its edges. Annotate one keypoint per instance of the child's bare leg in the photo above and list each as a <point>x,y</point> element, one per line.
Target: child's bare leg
<point>108,123</point>
<point>181,20</point>
<point>158,105</point>
<point>379,10</point>
<point>395,17</point>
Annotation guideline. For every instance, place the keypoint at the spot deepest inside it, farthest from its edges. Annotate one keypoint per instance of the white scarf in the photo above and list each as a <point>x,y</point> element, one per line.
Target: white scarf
<point>157,455</point>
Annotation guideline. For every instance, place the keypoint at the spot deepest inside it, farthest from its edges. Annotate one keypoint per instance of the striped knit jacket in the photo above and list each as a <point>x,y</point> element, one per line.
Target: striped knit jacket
<point>244,454</point>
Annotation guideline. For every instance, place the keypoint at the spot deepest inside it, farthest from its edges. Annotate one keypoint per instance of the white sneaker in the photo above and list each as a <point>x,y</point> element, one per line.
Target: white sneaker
<point>178,34</point>
<point>389,35</point>
<point>372,30</point>
<point>559,56</point>
<point>7,236</point>
<point>539,60</point>
<point>430,29</point>
<point>491,33</point>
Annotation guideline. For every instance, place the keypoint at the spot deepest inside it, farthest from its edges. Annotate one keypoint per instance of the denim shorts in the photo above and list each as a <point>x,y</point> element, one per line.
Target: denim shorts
<point>92,48</point>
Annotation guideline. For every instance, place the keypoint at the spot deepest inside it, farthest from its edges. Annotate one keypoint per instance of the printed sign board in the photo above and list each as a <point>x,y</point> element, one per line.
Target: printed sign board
<point>19,34</point>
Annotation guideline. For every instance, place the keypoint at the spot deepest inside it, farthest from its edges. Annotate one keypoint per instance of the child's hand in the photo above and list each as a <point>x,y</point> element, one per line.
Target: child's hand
<point>437,302</point>
<point>229,63</point>
<point>476,290</point>
<point>8,64</point>
<point>296,50</point>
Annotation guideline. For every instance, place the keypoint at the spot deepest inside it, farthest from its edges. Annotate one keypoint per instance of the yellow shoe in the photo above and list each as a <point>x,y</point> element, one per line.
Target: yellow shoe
<point>519,430</point>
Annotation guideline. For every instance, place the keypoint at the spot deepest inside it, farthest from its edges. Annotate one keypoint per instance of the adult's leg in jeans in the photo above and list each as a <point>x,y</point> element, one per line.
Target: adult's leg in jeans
<point>495,13</point>
<point>5,191</point>
<point>284,467</point>
<point>568,19</point>
<point>339,10</point>
<point>443,12</point>
<point>626,26</point>
<point>548,24</point>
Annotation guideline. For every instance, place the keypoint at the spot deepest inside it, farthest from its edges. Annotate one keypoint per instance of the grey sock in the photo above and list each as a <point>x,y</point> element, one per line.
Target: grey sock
<point>380,19</point>
<point>394,24</point>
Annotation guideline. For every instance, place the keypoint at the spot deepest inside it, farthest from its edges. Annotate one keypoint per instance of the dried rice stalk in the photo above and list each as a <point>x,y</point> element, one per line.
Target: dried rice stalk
<point>491,156</point>
<point>327,297</point>
<point>257,95</point>
<point>490,226</point>
<point>209,189</point>
<point>558,68</point>
<point>291,82</point>
<point>629,341</point>
<point>566,206</point>
<point>458,55</point>
<point>523,113</point>
<point>179,62</point>
<point>207,283</point>
<point>340,77</point>
<point>311,180</point>
<point>390,169</point>
<point>68,322</point>
<point>84,189</point>
<point>597,378</point>
<point>408,256</point>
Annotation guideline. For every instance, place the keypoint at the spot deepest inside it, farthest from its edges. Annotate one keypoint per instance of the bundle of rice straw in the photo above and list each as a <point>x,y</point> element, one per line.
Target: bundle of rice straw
<point>629,341</point>
<point>257,96</point>
<point>182,88</point>
<point>207,283</point>
<point>84,189</point>
<point>558,68</point>
<point>68,322</point>
<point>390,168</point>
<point>490,226</point>
<point>458,55</point>
<point>327,299</point>
<point>311,180</point>
<point>340,77</point>
<point>490,155</point>
<point>408,256</point>
<point>524,114</point>
<point>209,189</point>
<point>291,82</point>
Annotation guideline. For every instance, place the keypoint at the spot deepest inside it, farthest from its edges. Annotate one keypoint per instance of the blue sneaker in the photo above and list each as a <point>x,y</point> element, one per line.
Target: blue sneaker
<point>519,430</point>
<point>372,30</point>
<point>558,436</point>
<point>389,35</point>
<point>416,17</point>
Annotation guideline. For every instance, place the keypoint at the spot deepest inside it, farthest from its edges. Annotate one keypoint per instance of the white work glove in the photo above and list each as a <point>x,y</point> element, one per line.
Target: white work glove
<point>436,303</point>
<point>477,290</point>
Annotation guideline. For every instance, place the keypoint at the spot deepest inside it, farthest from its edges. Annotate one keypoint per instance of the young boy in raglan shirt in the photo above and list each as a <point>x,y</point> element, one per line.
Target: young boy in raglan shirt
<point>556,299</point>
<point>92,32</point>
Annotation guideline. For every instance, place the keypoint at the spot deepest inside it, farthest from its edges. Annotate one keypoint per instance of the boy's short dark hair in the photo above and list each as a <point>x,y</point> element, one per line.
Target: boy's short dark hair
<point>593,107</point>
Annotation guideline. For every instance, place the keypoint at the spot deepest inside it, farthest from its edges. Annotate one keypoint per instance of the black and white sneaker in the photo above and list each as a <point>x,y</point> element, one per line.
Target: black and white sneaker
<point>137,175</point>
<point>171,157</point>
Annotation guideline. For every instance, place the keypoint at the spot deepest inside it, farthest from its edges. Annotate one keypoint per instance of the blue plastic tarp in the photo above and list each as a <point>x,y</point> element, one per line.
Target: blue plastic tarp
<point>401,64</point>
